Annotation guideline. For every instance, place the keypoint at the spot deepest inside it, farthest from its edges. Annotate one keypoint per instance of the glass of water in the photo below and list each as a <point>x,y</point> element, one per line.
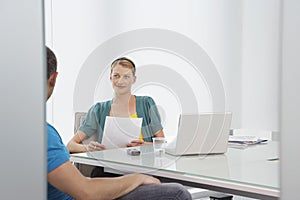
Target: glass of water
<point>159,145</point>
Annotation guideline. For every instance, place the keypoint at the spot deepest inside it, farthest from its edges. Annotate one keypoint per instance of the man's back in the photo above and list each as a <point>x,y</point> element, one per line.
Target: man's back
<point>57,154</point>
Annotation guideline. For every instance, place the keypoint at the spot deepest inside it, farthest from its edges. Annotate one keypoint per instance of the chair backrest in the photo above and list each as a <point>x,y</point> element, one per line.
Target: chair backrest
<point>83,168</point>
<point>79,117</point>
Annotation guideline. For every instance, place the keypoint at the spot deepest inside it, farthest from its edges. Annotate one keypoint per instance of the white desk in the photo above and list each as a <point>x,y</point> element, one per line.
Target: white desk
<point>246,172</point>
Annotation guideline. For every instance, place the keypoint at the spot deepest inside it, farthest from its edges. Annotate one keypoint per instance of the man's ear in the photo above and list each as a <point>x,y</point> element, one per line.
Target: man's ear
<point>52,79</point>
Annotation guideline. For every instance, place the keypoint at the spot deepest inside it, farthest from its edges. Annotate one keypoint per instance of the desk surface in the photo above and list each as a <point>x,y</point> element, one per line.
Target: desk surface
<point>250,172</point>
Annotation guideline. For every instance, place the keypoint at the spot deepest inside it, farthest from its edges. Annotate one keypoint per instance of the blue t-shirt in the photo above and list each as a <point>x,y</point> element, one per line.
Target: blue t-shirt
<point>57,154</point>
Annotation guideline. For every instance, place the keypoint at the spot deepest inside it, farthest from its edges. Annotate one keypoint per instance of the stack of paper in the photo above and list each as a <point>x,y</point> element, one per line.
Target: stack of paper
<point>120,131</point>
<point>244,141</point>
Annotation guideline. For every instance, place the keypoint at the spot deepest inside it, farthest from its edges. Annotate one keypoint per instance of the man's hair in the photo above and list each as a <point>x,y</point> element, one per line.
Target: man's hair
<point>125,62</point>
<point>51,63</point>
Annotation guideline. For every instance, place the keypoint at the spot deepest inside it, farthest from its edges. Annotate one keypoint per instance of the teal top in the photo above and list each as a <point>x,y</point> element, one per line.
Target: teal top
<point>145,108</point>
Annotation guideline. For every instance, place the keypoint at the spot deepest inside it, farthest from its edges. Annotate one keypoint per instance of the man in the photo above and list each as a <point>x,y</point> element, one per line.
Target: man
<point>66,182</point>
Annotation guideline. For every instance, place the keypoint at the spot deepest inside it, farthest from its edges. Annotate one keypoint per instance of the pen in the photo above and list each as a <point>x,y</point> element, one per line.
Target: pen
<point>272,159</point>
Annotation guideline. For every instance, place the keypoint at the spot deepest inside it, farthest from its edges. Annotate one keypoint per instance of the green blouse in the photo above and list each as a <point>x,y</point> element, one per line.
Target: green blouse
<point>145,108</point>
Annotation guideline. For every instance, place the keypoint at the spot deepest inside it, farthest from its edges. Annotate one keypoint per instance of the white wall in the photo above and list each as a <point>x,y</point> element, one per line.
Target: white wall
<point>260,64</point>
<point>240,38</point>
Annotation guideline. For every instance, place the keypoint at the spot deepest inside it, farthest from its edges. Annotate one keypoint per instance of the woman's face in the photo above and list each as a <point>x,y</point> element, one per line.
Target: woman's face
<point>122,79</point>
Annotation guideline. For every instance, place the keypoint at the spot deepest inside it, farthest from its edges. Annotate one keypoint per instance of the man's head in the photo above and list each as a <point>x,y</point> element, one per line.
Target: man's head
<point>51,71</point>
<point>51,63</point>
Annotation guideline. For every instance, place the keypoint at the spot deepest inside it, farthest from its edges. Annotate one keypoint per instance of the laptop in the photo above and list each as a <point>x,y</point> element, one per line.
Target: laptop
<point>201,134</point>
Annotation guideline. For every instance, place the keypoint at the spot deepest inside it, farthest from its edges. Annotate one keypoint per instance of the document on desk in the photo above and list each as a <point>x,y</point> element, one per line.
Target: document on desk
<point>119,131</point>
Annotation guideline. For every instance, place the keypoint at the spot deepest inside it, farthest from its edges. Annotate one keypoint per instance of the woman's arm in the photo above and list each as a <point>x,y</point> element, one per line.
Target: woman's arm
<point>159,133</point>
<point>75,145</point>
<point>134,143</point>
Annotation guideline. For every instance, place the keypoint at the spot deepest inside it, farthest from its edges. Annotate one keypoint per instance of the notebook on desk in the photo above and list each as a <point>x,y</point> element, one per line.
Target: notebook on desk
<point>201,134</point>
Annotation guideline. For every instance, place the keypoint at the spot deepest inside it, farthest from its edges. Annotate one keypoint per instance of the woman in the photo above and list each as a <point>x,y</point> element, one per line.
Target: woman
<point>124,104</point>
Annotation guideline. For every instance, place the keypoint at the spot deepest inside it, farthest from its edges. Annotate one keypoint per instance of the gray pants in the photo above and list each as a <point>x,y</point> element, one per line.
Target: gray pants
<point>158,191</point>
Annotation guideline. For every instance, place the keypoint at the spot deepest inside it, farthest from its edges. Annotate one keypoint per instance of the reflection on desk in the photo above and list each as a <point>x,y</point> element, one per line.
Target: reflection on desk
<point>246,172</point>
<point>210,165</point>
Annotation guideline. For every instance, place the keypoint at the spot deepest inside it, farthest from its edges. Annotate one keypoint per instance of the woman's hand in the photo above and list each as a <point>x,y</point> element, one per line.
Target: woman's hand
<point>95,146</point>
<point>135,143</point>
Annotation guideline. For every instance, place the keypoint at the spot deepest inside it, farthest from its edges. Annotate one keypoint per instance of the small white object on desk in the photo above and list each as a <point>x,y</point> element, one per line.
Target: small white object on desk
<point>246,139</point>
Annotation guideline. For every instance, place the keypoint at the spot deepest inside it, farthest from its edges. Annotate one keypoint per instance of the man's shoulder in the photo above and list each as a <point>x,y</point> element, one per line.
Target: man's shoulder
<point>51,129</point>
<point>52,133</point>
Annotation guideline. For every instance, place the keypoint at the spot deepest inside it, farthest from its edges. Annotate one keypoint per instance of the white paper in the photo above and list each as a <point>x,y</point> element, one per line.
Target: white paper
<point>119,131</point>
<point>242,138</point>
